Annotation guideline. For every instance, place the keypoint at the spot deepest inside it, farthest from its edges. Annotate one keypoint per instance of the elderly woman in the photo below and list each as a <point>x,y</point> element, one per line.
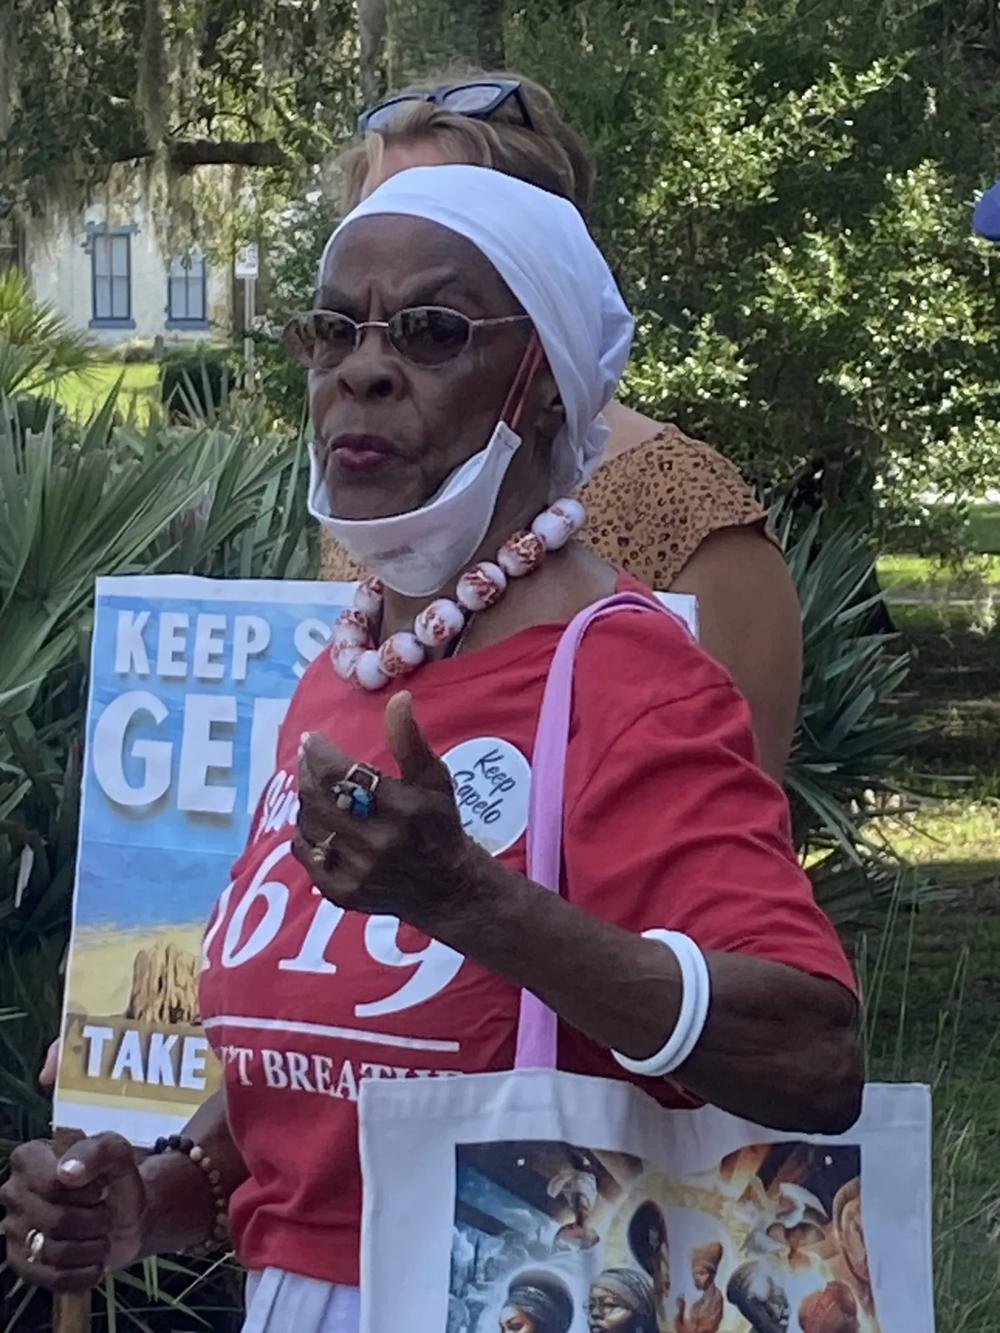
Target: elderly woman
<point>366,933</point>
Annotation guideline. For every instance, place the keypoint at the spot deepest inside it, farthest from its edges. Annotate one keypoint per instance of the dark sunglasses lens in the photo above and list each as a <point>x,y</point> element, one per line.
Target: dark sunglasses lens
<point>429,335</point>
<point>473,99</point>
<point>381,116</point>
<point>321,339</point>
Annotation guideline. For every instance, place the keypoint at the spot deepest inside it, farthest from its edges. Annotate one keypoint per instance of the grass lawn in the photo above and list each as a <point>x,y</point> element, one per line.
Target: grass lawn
<point>915,576</point>
<point>934,1002</point>
<point>82,394</point>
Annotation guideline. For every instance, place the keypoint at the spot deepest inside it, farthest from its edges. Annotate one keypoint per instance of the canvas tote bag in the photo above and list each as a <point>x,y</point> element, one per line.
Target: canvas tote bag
<point>535,1201</point>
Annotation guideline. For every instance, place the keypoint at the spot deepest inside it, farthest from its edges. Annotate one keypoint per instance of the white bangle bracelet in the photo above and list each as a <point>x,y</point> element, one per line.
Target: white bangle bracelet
<point>696,992</point>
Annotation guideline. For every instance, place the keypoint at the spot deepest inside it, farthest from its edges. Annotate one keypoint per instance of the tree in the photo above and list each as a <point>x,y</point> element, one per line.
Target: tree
<point>425,36</point>
<point>785,190</point>
<point>247,83</point>
<point>372,20</point>
<point>403,41</point>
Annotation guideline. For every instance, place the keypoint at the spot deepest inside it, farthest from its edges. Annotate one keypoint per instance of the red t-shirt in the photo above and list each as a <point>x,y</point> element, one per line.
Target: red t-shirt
<point>669,823</point>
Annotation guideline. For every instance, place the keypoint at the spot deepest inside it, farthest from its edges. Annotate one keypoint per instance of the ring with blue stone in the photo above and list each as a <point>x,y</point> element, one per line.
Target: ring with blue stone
<point>356,792</point>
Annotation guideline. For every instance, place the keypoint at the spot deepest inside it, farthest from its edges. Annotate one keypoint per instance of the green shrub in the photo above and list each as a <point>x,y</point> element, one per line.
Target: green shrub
<point>98,500</point>
<point>196,380</point>
<point>139,351</point>
<point>36,413</point>
<point>294,238</point>
<point>848,761</point>
<point>37,345</point>
<point>279,381</point>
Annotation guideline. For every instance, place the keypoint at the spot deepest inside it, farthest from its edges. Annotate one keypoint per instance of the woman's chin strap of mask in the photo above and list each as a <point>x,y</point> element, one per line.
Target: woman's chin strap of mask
<point>418,553</point>
<point>531,363</point>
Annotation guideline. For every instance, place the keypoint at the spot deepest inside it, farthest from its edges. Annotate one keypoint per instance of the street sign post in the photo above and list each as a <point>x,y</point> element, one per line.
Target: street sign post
<point>247,270</point>
<point>247,263</point>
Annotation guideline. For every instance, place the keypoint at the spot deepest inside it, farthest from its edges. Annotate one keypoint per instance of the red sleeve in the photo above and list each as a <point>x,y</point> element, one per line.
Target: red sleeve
<point>670,821</point>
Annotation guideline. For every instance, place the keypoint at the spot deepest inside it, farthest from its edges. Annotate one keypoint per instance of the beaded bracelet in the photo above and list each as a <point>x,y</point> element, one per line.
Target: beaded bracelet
<point>201,1159</point>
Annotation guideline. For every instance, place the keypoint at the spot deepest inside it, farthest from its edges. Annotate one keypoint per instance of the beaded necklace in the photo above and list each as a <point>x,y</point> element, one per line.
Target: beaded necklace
<point>357,655</point>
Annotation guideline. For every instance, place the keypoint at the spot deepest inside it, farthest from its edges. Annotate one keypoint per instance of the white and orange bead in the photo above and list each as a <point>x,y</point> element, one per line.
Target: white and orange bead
<point>345,659</point>
<point>351,628</point>
<point>552,530</point>
<point>572,511</point>
<point>559,523</point>
<point>368,597</point>
<point>400,653</point>
<point>481,587</point>
<point>521,554</point>
<point>439,623</point>
<point>368,671</point>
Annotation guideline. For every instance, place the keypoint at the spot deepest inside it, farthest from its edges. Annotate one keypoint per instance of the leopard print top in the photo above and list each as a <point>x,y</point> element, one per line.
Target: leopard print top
<point>649,508</point>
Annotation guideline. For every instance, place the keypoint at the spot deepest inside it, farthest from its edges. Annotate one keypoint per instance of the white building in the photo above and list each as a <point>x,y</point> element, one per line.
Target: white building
<point>109,274</point>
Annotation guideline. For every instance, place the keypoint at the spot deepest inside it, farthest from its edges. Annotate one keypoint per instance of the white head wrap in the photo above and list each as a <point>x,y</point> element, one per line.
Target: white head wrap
<point>540,246</point>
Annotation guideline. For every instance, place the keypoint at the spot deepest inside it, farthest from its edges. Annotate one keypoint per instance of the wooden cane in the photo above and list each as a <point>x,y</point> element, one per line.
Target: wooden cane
<point>72,1308</point>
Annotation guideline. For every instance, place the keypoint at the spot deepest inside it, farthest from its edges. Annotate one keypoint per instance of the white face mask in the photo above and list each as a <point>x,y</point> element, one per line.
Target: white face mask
<point>417,553</point>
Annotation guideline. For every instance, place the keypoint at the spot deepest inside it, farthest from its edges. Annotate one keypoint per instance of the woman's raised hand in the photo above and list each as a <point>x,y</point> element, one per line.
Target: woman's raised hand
<point>72,1218</point>
<point>408,856</point>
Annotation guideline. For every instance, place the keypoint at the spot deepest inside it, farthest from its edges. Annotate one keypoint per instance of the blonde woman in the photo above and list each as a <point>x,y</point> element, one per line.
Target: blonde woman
<point>668,509</point>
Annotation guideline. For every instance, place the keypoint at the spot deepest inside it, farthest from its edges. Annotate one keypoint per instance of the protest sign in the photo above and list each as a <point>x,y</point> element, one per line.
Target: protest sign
<point>190,679</point>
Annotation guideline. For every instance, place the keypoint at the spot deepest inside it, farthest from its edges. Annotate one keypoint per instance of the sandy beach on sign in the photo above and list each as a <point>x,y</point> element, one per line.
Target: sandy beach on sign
<point>100,975</point>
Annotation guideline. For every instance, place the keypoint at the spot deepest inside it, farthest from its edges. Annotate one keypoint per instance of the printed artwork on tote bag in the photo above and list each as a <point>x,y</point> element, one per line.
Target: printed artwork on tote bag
<point>550,1237</point>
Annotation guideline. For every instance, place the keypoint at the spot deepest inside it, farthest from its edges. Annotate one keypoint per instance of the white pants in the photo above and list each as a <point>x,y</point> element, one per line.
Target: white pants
<point>278,1302</point>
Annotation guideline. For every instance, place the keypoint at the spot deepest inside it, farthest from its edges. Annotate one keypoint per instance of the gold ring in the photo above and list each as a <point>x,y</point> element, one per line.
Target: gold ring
<point>34,1243</point>
<point>320,854</point>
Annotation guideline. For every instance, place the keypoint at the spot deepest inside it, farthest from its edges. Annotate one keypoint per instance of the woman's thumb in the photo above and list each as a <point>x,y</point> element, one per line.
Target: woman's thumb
<point>418,764</point>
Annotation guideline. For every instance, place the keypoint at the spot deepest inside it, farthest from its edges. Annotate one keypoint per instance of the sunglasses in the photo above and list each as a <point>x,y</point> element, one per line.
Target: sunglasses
<point>478,100</point>
<point>426,335</point>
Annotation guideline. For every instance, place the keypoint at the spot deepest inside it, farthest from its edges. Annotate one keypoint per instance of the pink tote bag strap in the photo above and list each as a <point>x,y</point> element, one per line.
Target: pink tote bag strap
<point>537,1029</point>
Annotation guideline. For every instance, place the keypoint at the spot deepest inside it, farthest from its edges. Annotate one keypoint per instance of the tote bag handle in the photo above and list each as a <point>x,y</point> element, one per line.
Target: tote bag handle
<point>537,1028</point>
